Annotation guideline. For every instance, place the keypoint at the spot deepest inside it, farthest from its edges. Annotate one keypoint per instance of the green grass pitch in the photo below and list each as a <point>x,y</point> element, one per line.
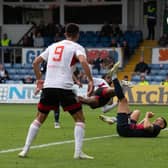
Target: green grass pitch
<point>102,141</point>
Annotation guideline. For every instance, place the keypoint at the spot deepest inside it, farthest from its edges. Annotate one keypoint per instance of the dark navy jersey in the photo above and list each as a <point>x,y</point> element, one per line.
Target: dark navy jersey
<point>131,129</point>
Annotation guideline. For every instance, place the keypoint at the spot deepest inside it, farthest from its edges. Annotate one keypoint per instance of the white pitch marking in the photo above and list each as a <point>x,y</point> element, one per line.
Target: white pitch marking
<point>55,143</point>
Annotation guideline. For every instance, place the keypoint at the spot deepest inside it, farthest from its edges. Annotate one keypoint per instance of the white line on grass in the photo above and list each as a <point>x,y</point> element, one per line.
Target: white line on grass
<point>56,143</point>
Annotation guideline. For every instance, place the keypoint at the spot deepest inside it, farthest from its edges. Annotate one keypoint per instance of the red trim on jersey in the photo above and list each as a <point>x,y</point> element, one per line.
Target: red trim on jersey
<point>104,91</point>
<point>101,85</point>
<point>72,107</point>
<point>97,97</point>
<point>137,126</point>
<point>46,107</point>
<point>74,61</point>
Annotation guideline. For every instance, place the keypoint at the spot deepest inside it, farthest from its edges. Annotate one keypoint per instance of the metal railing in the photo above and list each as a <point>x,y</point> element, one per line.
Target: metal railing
<point>10,54</point>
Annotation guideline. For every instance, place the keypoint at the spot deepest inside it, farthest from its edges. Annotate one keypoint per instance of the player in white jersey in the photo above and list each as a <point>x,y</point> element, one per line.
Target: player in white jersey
<point>57,90</point>
<point>104,93</point>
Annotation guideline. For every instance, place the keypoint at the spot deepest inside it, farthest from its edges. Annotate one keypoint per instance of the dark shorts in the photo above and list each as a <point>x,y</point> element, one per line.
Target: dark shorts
<point>129,128</point>
<point>51,98</point>
<point>100,94</point>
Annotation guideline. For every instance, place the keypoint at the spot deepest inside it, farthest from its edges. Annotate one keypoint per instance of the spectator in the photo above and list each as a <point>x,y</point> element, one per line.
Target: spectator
<point>38,40</point>
<point>60,29</point>
<point>113,43</point>
<point>163,41</point>
<point>51,29</point>
<point>6,43</point>
<point>126,50</point>
<point>97,63</point>
<point>106,30</point>
<point>114,54</point>
<point>108,63</point>
<point>143,81</point>
<point>165,82</point>
<point>3,74</point>
<point>41,28</point>
<point>151,20</point>
<point>117,31</point>
<point>57,37</point>
<point>27,41</point>
<point>142,67</point>
<point>125,78</point>
<point>28,80</point>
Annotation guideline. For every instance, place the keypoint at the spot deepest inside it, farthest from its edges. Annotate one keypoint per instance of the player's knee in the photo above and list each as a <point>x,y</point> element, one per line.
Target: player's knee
<point>124,100</point>
<point>137,111</point>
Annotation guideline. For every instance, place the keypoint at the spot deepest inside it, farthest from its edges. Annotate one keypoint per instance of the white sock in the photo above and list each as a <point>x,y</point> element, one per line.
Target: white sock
<point>107,107</point>
<point>32,132</point>
<point>79,132</point>
<point>114,76</point>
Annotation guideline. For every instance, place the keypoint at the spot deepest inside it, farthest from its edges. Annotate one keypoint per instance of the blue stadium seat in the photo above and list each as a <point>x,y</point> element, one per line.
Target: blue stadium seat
<point>154,83</point>
<point>154,66</point>
<point>162,72</point>
<point>165,66</point>
<point>28,66</point>
<point>17,65</point>
<point>7,65</point>
<point>103,71</point>
<point>23,71</point>
<point>135,78</point>
<point>149,78</point>
<point>158,78</point>
<point>14,82</point>
<point>95,72</point>
<point>16,77</point>
<point>12,71</point>
<point>153,72</point>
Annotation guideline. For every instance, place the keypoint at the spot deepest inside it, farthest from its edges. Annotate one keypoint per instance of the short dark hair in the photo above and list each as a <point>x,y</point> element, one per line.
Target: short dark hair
<point>165,122</point>
<point>72,29</point>
<point>104,75</point>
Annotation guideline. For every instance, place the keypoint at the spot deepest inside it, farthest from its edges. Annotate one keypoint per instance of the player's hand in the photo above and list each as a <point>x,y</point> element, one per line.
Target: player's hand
<point>79,84</point>
<point>150,114</point>
<point>39,86</point>
<point>90,88</point>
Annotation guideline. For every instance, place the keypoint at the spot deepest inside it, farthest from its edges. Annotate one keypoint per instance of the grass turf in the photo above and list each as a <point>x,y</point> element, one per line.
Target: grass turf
<point>110,151</point>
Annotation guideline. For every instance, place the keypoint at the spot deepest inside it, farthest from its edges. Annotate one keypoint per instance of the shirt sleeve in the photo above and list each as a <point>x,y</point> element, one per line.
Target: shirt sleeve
<point>98,82</point>
<point>45,54</point>
<point>80,51</point>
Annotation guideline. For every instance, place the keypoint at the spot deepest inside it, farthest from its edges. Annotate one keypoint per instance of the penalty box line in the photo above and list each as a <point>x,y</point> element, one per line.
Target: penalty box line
<point>56,143</point>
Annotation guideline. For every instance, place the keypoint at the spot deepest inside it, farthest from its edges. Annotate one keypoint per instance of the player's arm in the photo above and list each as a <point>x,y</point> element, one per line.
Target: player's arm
<point>86,68</point>
<point>76,81</point>
<point>147,124</point>
<point>36,66</point>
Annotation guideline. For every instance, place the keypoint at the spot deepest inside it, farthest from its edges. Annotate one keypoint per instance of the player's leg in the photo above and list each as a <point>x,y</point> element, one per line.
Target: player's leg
<point>106,101</point>
<point>56,118</point>
<point>79,132</point>
<point>44,106</point>
<point>107,119</point>
<point>108,107</point>
<point>123,107</point>
<point>135,115</point>
<point>92,101</point>
<point>32,132</point>
<point>122,104</point>
<point>73,105</point>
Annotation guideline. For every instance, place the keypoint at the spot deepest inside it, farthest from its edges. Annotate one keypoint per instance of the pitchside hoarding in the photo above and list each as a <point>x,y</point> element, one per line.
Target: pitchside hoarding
<point>24,93</point>
<point>28,54</point>
<point>160,56</point>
